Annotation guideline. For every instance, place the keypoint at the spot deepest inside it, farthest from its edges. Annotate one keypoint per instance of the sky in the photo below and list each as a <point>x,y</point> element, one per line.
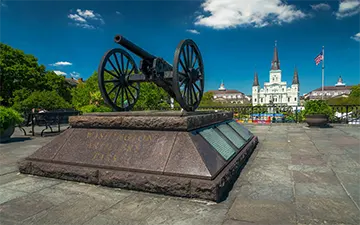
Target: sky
<point>235,37</point>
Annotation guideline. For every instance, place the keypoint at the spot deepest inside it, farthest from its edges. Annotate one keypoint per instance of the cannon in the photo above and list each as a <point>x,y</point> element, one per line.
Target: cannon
<point>119,78</point>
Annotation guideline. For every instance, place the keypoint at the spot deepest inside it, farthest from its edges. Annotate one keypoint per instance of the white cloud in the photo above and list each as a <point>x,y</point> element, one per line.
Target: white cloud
<point>58,72</point>
<point>193,31</point>
<point>348,8</point>
<point>86,18</point>
<point>356,37</point>
<point>61,63</point>
<point>221,14</point>
<point>77,18</point>
<point>320,6</point>
<point>117,12</point>
<point>75,74</point>
<point>85,26</point>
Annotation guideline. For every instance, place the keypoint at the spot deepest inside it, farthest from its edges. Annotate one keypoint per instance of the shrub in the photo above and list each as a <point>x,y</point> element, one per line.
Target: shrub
<point>317,107</point>
<point>48,100</point>
<point>8,117</point>
<point>94,108</point>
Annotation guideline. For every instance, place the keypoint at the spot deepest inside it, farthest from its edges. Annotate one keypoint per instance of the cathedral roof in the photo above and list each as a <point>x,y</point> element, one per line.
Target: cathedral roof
<point>296,77</point>
<point>275,63</point>
<point>256,80</point>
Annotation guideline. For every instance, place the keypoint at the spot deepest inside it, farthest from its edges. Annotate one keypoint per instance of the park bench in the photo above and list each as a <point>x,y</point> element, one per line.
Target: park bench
<point>47,119</point>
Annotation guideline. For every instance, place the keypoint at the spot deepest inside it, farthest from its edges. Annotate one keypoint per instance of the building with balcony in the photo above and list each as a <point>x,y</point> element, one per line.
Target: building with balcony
<point>230,96</point>
<point>340,89</point>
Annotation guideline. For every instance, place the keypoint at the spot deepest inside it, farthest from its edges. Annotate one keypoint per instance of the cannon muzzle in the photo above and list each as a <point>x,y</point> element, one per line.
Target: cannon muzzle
<point>133,47</point>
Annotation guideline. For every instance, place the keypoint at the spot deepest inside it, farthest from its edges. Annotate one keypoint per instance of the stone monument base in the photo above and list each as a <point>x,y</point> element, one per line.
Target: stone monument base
<point>195,155</point>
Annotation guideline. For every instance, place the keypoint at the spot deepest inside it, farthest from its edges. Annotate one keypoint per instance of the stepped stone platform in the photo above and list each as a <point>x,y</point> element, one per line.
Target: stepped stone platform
<point>195,155</point>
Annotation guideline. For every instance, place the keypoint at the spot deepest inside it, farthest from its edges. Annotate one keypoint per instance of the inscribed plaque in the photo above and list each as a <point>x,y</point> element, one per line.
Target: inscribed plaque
<point>230,134</point>
<point>240,130</point>
<point>218,143</point>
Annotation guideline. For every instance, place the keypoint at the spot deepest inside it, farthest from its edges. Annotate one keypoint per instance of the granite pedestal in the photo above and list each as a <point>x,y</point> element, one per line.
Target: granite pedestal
<point>196,155</point>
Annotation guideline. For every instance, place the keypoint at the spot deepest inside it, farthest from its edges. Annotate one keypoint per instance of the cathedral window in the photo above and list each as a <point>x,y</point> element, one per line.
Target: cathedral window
<point>288,99</point>
<point>261,99</point>
<point>255,99</point>
<point>295,99</point>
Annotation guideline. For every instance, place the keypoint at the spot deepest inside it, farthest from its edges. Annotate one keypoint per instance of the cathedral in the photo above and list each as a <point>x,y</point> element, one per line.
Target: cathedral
<point>276,92</point>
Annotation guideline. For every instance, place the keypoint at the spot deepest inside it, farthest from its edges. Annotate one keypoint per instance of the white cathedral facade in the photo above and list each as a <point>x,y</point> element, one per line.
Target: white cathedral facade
<point>276,92</point>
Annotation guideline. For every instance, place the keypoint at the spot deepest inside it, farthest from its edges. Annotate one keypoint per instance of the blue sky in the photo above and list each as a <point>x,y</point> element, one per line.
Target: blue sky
<point>234,36</point>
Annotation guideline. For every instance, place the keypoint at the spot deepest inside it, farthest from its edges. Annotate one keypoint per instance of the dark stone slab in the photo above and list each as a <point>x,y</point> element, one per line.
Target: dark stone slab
<point>149,120</point>
<point>185,159</point>
<point>179,163</point>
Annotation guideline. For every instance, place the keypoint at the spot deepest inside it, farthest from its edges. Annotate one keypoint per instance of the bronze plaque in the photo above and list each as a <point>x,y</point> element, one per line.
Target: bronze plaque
<point>230,134</point>
<point>242,131</point>
<point>218,143</point>
<point>138,150</point>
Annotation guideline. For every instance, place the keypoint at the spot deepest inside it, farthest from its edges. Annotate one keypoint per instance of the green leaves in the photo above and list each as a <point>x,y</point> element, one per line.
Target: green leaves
<point>8,117</point>
<point>318,107</point>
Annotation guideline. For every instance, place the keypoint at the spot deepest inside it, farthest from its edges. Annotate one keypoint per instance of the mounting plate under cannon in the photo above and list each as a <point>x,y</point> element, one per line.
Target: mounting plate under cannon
<point>188,154</point>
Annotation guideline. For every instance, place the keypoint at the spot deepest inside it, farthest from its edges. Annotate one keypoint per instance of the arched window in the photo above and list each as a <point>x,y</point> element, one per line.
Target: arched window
<point>295,99</point>
<point>255,99</point>
<point>288,99</point>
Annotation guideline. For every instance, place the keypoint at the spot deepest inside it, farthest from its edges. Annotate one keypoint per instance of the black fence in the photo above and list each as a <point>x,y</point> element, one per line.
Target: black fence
<point>286,114</point>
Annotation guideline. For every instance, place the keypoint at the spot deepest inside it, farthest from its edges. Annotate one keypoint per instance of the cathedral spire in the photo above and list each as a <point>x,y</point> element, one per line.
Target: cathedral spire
<point>256,79</point>
<point>275,64</point>
<point>296,77</point>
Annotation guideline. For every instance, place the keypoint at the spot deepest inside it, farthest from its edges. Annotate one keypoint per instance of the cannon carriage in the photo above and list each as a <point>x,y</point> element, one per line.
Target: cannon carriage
<point>119,77</point>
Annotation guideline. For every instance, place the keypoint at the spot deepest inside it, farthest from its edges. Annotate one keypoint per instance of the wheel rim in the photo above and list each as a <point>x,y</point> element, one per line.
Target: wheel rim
<point>188,75</point>
<point>114,71</point>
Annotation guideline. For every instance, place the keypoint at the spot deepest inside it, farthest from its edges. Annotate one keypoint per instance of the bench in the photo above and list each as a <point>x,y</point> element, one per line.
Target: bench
<point>47,119</point>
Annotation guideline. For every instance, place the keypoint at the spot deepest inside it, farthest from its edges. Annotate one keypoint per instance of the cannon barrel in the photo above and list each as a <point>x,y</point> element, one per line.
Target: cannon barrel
<point>133,47</point>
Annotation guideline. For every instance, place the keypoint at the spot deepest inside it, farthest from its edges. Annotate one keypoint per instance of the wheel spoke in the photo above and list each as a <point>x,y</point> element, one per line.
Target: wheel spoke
<point>191,96</point>
<point>122,64</point>
<point>130,93</point>
<point>122,97</point>
<point>112,65</point>
<point>196,58</point>
<point>188,56</point>
<point>111,73</point>
<point>137,88</point>
<point>127,96</point>
<point>117,94</point>
<point>110,81</point>
<point>197,87</point>
<point>127,67</point>
<point>182,82</point>
<point>183,66</point>
<point>132,69</point>
<point>195,94</point>
<point>191,57</point>
<point>117,63</point>
<point>112,89</point>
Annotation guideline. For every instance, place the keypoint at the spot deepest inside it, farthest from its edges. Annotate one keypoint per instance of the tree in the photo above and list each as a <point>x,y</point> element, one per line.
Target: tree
<point>48,100</point>
<point>20,75</point>
<point>152,97</point>
<point>355,91</point>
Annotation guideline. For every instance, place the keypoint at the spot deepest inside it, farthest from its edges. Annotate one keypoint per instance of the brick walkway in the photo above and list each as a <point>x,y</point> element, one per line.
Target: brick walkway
<point>296,175</point>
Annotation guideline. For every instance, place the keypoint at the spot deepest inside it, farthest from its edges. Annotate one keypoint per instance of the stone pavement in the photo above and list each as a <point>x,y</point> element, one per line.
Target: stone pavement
<point>297,175</point>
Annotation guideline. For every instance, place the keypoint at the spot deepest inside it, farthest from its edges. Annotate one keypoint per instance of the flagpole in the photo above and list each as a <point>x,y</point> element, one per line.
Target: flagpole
<point>322,77</point>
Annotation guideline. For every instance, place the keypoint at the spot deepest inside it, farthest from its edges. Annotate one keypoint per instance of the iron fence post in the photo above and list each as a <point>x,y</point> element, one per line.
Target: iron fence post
<point>296,115</point>
<point>347,114</point>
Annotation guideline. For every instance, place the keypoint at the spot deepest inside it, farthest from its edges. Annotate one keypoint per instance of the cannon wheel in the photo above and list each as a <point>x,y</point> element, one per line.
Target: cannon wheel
<point>188,75</point>
<point>115,68</point>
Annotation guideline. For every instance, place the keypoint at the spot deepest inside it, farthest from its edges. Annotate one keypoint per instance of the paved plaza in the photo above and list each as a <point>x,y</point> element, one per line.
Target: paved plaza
<point>296,175</point>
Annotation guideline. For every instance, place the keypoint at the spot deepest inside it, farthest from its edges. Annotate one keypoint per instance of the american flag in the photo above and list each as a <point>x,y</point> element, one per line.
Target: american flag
<point>319,58</point>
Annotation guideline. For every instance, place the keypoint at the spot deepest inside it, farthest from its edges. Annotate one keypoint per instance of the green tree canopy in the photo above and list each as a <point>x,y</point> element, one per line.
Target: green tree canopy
<point>21,75</point>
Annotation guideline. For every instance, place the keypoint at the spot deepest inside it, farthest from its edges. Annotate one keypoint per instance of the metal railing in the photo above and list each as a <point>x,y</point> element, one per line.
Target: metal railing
<point>286,114</point>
